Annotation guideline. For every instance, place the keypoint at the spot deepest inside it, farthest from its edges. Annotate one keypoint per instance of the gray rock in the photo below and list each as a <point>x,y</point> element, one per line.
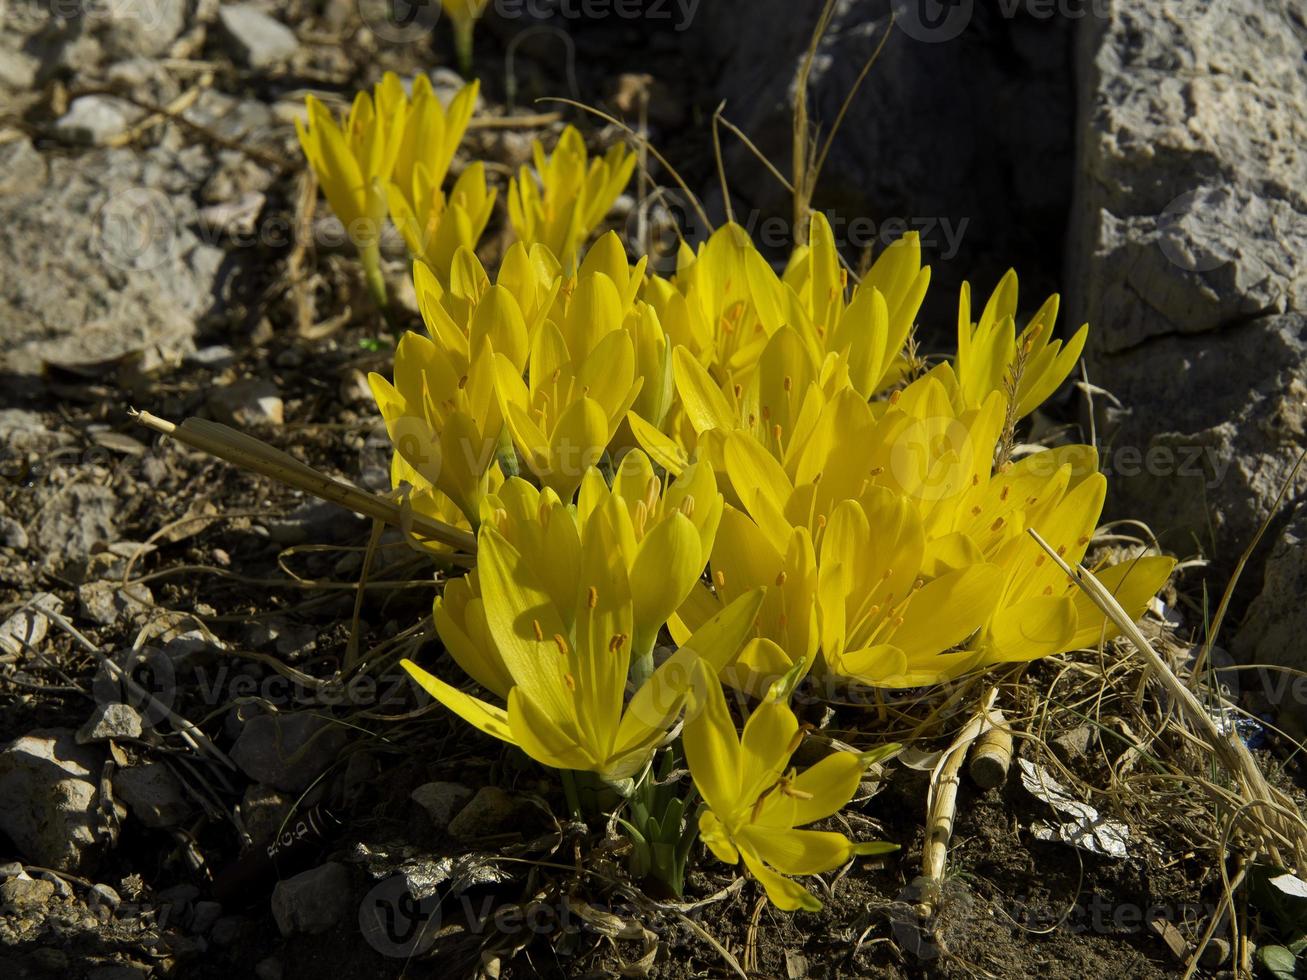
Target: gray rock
<point>17,70</point>
<point>288,751</point>
<point>28,627</point>
<point>107,721</point>
<point>94,119</point>
<point>269,969</point>
<point>21,167</point>
<point>25,893</point>
<point>100,894</point>
<point>312,902</point>
<point>316,521</point>
<point>228,929</point>
<point>49,796</point>
<point>442,801</point>
<point>12,534</point>
<point>152,794</point>
<point>139,28</point>
<point>205,916</point>
<point>11,869</point>
<point>106,604</point>
<point>996,93</point>
<point>77,521</point>
<point>1189,259</point>
<point>1275,629</point>
<point>101,260</point>
<point>61,887</point>
<point>256,39</point>
<point>491,811</point>
<point>249,402</point>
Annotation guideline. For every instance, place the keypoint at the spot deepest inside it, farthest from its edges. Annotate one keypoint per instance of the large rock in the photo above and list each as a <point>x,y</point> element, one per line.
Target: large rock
<point>98,259</point>
<point>1276,624</point>
<point>964,133</point>
<point>1189,257</point>
<point>312,902</point>
<point>49,794</point>
<point>289,750</point>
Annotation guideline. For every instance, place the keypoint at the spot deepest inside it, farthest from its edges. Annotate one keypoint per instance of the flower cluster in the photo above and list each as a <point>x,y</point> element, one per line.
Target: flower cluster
<point>722,480</point>
<point>391,153</point>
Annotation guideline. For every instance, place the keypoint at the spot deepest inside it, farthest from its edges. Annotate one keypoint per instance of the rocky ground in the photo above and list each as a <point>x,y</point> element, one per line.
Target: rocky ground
<point>185,678</point>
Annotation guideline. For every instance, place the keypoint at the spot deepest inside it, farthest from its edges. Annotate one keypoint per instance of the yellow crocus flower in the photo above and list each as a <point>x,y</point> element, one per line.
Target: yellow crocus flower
<point>786,631</point>
<point>990,352</point>
<point>867,329</point>
<point>664,535</point>
<point>464,14</point>
<point>568,196</point>
<point>508,312</point>
<point>354,164</point>
<point>565,416</point>
<point>756,802</point>
<point>435,228</point>
<point>443,418</point>
<point>567,706</point>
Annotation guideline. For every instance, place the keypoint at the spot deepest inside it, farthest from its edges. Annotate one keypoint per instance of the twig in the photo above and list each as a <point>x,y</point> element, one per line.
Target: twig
<point>252,454</point>
<point>941,801</point>
<point>992,755</point>
<point>1275,809</point>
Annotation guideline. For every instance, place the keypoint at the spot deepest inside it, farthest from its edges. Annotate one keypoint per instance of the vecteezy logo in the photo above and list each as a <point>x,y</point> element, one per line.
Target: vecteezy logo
<point>135,231</point>
<point>927,917</point>
<point>1191,236</point>
<point>932,21</point>
<point>397,924</point>
<point>399,21</point>
<point>657,227</point>
<point>144,679</point>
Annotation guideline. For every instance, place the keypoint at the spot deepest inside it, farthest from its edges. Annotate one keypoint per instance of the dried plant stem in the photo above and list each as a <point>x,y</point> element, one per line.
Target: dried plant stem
<point>251,454</point>
<point>1269,816</point>
<point>941,802</point>
<point>992,756</point>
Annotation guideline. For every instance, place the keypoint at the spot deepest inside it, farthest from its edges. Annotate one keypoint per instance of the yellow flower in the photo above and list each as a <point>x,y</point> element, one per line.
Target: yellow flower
<point>1041,611</point>
<point>990,353</point>
<point>568,664</point>
<point>544,531</point>
<point>431,136</point>
<point>664,536</point>
<point>785,634</point>
<point>756,802</point>
<point>434,228</point>
<point>569,195</point>
<point>443,418</point>
<point>868,329</point>
<point>354,165</point>
<point>424,499</point>
<point>883,622</point>
<point>563,419</point>
<point>508,313</point>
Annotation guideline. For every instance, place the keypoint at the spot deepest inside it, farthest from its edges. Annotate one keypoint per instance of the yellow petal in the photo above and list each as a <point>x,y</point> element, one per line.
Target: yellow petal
<point>491,720</point>
<point>712,749</point>
<point>1031,628</point>
<point>1132,583</point>
<point>787,895</point>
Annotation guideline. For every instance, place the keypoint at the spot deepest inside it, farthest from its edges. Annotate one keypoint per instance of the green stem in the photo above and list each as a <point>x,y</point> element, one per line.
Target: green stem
<point>569,793</point>
<point>642,663</point>
<point>463,45</point>
<point>370,256</point>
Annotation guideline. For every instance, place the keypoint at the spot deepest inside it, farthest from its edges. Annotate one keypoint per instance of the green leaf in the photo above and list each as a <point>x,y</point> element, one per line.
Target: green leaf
<point>1278,961</point>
